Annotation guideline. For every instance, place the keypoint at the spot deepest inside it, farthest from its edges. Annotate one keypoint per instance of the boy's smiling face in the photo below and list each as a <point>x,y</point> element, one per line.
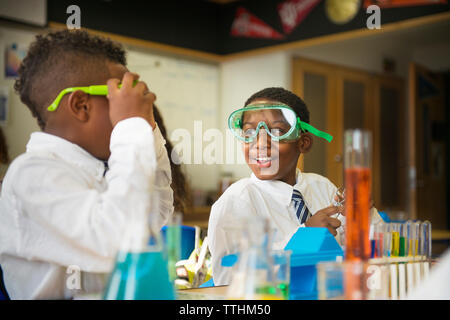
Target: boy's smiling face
<point>268,159</point>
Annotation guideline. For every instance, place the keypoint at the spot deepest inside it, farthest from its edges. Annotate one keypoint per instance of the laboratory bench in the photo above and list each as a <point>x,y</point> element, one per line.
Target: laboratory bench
<point>210,293</point>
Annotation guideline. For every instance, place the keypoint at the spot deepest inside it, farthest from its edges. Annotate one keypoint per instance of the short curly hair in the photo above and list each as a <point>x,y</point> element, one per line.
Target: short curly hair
<point>284,96</point>
<point>63,59</point>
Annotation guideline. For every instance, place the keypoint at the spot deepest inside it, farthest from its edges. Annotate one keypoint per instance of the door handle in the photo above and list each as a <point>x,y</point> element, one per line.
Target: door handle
<point>337,158</point>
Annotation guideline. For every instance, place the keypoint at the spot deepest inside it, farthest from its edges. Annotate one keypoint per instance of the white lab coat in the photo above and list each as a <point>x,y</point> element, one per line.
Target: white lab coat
<point>437,285</point>
<point>271,199</point>
<point>60,214</point>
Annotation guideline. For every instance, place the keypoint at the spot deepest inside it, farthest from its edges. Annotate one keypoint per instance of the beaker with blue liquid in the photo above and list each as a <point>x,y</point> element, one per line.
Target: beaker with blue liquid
<point>140,271</point>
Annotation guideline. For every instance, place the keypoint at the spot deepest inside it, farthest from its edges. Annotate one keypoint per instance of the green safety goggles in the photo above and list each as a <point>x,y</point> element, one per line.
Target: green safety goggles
<point>97,90</point>
<point>279,121</point>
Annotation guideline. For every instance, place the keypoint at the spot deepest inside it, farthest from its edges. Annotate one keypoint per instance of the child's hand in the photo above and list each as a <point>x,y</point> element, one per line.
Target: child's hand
<point>128,101</point>
<point>323,219</point>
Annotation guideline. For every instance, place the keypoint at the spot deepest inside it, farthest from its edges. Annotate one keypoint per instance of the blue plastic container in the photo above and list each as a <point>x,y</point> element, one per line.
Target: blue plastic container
<point>309,246</point>
<point>187,240</point>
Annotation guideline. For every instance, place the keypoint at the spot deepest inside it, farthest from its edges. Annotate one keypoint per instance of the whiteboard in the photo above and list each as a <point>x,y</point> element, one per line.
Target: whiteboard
<point>186,91</point>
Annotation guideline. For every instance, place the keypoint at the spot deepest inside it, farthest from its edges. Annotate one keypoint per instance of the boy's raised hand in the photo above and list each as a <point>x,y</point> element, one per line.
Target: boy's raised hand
<point>323,219</point>
<point>130,101</point>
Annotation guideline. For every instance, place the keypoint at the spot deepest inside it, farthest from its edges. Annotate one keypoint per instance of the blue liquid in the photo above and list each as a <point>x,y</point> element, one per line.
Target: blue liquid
<point>372,248</point>
<point>139,276</point>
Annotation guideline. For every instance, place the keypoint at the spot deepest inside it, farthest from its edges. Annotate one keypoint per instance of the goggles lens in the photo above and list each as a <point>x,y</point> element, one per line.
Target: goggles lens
<point>279,121</point>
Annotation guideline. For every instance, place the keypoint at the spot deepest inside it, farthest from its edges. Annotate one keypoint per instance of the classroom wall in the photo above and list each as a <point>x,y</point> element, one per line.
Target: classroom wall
<point>367,54</point>
<point>434,56</point>
<point>363,54</point>
<point>20,123</point>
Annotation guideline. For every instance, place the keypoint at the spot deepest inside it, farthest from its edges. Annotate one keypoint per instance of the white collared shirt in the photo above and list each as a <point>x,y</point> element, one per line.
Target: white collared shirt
<point>60,214</point>
<point>271,199</point>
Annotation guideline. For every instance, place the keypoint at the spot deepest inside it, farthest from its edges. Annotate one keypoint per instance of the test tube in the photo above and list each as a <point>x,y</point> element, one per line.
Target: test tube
<point>425,246</point>
<point>408,237</point>
<point>415,238</point>
<point>379,230</point>
<point>395,231</point>
<point>425,239</point>
<point>372,240</point>
<point>387,240</point>
<point>403,240</point>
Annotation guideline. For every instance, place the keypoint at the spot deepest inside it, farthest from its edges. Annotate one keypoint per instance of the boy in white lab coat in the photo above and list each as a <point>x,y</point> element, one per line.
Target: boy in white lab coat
<point>274,126</point>
<point>62,214</point>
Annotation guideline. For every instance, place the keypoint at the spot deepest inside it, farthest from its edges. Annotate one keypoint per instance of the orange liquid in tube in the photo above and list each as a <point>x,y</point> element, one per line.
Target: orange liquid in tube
<point>357,250</point>
<point>358,180</point>
<point>357,202</point>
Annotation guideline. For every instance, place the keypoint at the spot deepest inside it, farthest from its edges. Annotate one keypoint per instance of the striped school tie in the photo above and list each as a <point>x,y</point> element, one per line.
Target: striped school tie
<point>300,207</point>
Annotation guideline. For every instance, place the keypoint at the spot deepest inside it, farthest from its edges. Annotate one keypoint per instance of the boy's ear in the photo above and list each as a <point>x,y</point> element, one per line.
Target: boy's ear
<point>305,142</point>
<point>78,105</point>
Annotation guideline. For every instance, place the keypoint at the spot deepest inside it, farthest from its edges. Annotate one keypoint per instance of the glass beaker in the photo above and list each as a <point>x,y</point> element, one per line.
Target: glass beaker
<point>140,276</point>
<point>276,286</point>
<point>330,280</point>
<point>140,271</point>
<point>259,273</point>
<point>173,244</point>
<point>352,280</point>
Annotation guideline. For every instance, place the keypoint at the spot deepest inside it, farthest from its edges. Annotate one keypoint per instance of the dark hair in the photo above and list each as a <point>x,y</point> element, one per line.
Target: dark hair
<point>4,157</point>
<point>284,96</point>
<point>180,186</point>
<point>59,60</point>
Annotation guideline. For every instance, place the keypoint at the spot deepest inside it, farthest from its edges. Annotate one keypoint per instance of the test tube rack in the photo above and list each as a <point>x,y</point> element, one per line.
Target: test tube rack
<point>393,278</point>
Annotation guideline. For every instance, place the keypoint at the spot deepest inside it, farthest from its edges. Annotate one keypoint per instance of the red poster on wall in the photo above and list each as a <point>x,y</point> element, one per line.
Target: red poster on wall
<point>292,12</point>
<point>401,3</point>
<point>248,25</point>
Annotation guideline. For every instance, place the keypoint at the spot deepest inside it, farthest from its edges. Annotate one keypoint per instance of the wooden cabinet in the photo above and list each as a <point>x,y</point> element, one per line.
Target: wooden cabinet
<point>341,98</point>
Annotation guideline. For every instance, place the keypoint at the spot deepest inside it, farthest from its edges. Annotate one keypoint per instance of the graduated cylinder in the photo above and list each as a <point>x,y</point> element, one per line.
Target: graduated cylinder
<point>358,180</point>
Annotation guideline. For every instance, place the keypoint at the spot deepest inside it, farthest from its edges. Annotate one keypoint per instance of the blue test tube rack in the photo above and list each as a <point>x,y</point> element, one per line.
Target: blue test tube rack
<point>310,246</point>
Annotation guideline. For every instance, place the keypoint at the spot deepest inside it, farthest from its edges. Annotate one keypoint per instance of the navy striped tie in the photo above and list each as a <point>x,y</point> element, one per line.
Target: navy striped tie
<point>300,207</point>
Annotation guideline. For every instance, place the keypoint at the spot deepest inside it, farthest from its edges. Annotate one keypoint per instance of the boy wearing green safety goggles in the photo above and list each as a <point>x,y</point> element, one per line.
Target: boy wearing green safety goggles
<point>274,129</point>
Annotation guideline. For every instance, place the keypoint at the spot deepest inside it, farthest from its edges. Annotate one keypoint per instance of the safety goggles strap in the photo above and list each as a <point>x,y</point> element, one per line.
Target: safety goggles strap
<point>307,127</point>
<point>95,90</point>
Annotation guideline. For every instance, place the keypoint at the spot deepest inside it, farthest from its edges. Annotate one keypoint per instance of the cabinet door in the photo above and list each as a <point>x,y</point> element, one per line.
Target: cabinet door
<point>341,98</point>
<point>314,82</point>
<point>390,144</point>
<point>354,104</point>
<point>427,152</point>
